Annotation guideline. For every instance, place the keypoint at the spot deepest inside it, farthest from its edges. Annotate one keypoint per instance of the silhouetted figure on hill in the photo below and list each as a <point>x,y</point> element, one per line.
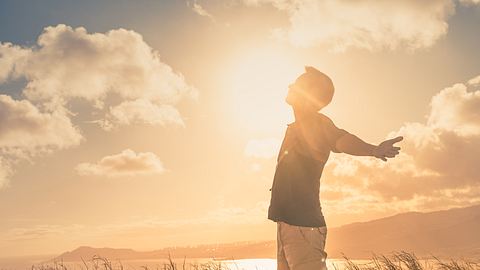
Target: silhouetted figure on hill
<point>295,202</point>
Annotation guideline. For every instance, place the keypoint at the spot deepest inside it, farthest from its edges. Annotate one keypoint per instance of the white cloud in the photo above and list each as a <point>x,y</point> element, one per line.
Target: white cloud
<point>26,132</point>
<point>474,81</point>
<point>365,23</point>
<point>200,10</point>
<point>95,66</point>
<point>117,73</point>
<point>24,129</point>
<point>456,109</point>
<point>141,111</point>
<point>10,55</point>
<point>437,166</point>
<point>280,4</point>
<point>262,148</point>
<point>470,2</point>
<point>127,163</point>
<point>5,172</point>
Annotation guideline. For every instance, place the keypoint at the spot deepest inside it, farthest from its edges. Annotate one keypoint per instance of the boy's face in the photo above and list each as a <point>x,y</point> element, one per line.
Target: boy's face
<point>298,95</point>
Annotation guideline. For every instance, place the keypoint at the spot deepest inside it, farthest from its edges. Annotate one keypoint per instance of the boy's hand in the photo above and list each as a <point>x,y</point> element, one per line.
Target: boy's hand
<point>386,149</point>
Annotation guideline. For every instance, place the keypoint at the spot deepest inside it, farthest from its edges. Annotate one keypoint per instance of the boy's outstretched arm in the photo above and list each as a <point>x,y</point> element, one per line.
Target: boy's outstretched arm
<point>351,144</point>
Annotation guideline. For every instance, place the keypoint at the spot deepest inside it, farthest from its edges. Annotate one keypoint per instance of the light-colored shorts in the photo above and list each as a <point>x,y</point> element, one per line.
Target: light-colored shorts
<point>301,248</point>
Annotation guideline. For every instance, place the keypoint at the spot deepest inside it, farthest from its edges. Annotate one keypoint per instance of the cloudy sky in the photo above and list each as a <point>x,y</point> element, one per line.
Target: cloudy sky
<point>146,124</point>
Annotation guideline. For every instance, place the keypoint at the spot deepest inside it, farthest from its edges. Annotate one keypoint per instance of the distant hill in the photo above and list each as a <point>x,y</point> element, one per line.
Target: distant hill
<point>449,233</point>
<point>239,250</point>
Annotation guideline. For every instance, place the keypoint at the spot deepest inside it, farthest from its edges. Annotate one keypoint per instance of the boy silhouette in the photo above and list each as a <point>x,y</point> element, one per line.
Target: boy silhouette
<point>295,203</point>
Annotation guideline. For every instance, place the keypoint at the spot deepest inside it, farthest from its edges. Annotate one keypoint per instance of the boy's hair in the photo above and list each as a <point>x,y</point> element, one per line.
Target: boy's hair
<point>315,87</point>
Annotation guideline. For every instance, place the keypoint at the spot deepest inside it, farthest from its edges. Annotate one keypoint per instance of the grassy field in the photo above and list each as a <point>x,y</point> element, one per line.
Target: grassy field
<point>408,261</point>
<point>397,261</point>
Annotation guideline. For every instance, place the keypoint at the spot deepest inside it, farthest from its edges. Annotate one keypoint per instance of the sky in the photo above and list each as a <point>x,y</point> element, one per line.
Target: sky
<point>147,124</point>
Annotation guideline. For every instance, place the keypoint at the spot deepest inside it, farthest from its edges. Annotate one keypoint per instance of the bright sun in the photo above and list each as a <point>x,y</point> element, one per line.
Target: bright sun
<point>258,84</point>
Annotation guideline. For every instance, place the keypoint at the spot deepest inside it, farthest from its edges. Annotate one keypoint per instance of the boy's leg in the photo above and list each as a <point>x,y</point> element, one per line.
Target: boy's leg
<point>281,259</point>
<point>304,247</point>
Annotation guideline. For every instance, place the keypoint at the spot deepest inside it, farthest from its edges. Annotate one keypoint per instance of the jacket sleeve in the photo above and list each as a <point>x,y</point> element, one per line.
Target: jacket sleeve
<point>331,132</point>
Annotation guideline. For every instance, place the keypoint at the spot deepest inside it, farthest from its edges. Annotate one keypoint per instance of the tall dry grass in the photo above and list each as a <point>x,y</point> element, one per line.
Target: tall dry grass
<point>398,261</point>
<point>102,263</point>
<point>408,261</point>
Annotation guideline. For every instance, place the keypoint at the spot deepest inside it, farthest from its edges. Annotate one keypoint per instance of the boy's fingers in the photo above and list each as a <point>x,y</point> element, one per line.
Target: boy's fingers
<point>395,140</point>
<point>391,150</point>
<point>383,158</point>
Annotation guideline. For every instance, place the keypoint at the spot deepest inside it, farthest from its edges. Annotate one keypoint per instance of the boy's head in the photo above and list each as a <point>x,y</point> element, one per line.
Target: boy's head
<point>312,90</point>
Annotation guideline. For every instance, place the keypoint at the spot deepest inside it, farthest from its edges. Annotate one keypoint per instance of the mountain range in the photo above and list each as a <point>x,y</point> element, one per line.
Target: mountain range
<point>451,233</point>
<point>448,233</point>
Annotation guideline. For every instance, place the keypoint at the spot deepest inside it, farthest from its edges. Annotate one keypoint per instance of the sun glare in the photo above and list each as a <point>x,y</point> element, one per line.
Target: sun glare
<point>258,84</point>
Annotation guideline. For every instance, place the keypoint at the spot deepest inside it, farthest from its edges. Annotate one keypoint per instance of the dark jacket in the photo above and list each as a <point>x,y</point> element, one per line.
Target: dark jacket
<point>296,184</point>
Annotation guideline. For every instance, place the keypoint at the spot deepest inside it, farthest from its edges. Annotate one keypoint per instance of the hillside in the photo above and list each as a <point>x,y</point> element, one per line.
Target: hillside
<point>447,233</point>
<point>238,250</point>
<point>453,232</point>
